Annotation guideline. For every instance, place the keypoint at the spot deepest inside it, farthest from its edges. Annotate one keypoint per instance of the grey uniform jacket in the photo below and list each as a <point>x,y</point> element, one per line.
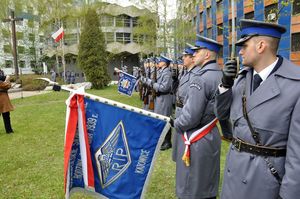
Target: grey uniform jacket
<point>180,96</point>
<point>274,111</point>
<point>163,100</point>
<point>201,179</point>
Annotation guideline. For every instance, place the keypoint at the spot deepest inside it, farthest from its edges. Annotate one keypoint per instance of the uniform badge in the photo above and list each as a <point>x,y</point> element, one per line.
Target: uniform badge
<point>113,157</point>
<point>197,86</point>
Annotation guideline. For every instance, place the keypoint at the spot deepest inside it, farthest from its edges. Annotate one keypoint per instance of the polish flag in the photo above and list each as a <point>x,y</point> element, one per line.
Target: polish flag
<point>58,35</point>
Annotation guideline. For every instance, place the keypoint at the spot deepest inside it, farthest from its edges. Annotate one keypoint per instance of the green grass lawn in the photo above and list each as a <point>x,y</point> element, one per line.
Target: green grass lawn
<point>31,159</point>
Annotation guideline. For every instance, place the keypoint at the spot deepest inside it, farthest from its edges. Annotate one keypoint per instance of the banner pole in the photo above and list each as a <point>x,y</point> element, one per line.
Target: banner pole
<point>117,104</point>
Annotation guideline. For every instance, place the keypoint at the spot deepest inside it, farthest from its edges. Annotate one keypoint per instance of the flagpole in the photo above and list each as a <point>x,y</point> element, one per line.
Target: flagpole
<point>63,55</point>
<point>117,104</point>
<point>232,30</point>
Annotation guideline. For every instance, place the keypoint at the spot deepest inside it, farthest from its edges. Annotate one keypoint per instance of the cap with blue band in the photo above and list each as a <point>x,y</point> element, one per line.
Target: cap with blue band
<point>250,28</point>
<point>188,50</point>
<point>207,43</point>
<point>164,59</point>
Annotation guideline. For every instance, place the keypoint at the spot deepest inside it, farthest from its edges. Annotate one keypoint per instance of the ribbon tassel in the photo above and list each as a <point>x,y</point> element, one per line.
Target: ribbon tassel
<point>195,136</point>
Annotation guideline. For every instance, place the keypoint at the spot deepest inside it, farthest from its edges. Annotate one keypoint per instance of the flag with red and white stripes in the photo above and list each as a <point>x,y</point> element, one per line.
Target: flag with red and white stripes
<point>77,145</point>
<point>58,35</point>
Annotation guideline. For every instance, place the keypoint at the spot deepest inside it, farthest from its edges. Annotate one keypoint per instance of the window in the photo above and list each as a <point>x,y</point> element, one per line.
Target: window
<point>19,23</point>
<point>32,64</point>
<point>107,21</point>
<point>8,63</point>
<point>208,13</point>
<point>20,35</point>
<point>220,54</point>
<point>5,33</point>
<point>123,37</point>
<point>7,48</point>
<point>32,51</point>
<point>219,6</point>
<point>30,10</point>
<point>201,18</point>
<point>123,21</point>
<point>138,39</point>
<point>249,15</point>
<point>30,24</point>
<point>21,49</point>
<point>220,29</point>
<point>209,32</point>
<point>22,64</point>
<point>296,7</point>
<point>134,21</point>
<point>109,37</point>
<point>41,38</point>
<point>31,37</point>
<point>271,12</point>
<point>296,42</point>
<point>70,39</point>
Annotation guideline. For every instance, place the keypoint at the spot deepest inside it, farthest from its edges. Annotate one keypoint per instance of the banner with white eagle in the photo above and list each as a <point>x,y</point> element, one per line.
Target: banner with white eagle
<point>110,147</point>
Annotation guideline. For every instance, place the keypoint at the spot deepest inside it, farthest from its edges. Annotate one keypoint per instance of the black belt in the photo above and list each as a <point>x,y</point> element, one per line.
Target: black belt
<point>257,150</point>
<point>162,93</point>
<point>179,104</point>
<point>3,91</point>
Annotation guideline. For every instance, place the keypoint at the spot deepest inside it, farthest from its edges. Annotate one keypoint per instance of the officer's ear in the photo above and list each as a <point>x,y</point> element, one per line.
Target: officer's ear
<point>261,44</point>
<point>208,54</point>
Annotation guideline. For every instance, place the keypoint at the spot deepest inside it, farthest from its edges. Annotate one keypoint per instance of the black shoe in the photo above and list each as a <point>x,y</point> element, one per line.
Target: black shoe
<point>165,146</point>
<point>10,131</point>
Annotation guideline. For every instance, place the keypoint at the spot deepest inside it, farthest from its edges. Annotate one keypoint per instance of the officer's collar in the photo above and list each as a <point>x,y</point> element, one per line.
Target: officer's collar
<point>209,62</point>
<point>287,69</point>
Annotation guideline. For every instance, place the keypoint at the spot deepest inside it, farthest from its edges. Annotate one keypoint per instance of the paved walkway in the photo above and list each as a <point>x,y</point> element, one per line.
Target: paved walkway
<point>20,94</point>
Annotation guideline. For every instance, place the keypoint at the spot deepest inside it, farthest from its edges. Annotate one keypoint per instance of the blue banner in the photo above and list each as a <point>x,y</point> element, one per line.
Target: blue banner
<point>127,83</point>
<point>122,151</point>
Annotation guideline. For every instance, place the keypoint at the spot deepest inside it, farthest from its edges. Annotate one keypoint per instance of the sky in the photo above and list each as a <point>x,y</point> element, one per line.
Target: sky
<point>171,7</point>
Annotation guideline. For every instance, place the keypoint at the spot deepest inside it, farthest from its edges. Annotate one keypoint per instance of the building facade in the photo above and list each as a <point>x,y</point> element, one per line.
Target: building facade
<point>117,23</point>
<point>214,20</point>
<point>118,26</point>
<point>30,42</point>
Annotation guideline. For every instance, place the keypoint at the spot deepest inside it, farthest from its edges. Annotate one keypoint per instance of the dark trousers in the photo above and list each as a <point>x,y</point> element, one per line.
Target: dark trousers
<point>6,120</point>
<point>168,136</point>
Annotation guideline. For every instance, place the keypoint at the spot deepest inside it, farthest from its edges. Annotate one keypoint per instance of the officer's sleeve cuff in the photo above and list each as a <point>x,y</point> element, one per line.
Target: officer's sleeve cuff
<point>222,89</point>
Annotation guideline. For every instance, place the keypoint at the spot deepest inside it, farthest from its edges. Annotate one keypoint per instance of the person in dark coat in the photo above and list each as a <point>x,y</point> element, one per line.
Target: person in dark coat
<point>263,103</point>
<point>5,104</point>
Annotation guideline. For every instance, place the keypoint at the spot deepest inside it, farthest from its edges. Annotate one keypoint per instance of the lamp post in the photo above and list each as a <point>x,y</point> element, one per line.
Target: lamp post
<point>13,20</point>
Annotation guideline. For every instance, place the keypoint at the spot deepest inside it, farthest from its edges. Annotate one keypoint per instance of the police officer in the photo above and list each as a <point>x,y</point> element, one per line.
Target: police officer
<point>264,105</point>
<point>181,68</point>
<point>197,173</point>
<point>163,100</point>
<point>145,91</point>
<point>187,57</point>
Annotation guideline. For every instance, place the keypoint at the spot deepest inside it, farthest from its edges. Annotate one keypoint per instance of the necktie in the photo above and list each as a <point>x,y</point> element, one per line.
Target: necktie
<point>256,81</point>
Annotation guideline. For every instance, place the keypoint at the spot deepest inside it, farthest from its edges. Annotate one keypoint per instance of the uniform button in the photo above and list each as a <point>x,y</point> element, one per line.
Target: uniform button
<point>228,170</point>
<point>252,157</point>
<point>244,181</point>
<point>232,147</point>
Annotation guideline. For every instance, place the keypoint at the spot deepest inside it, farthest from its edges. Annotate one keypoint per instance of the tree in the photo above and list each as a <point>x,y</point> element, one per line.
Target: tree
<point>145,32</point>
<point>92,55</point>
